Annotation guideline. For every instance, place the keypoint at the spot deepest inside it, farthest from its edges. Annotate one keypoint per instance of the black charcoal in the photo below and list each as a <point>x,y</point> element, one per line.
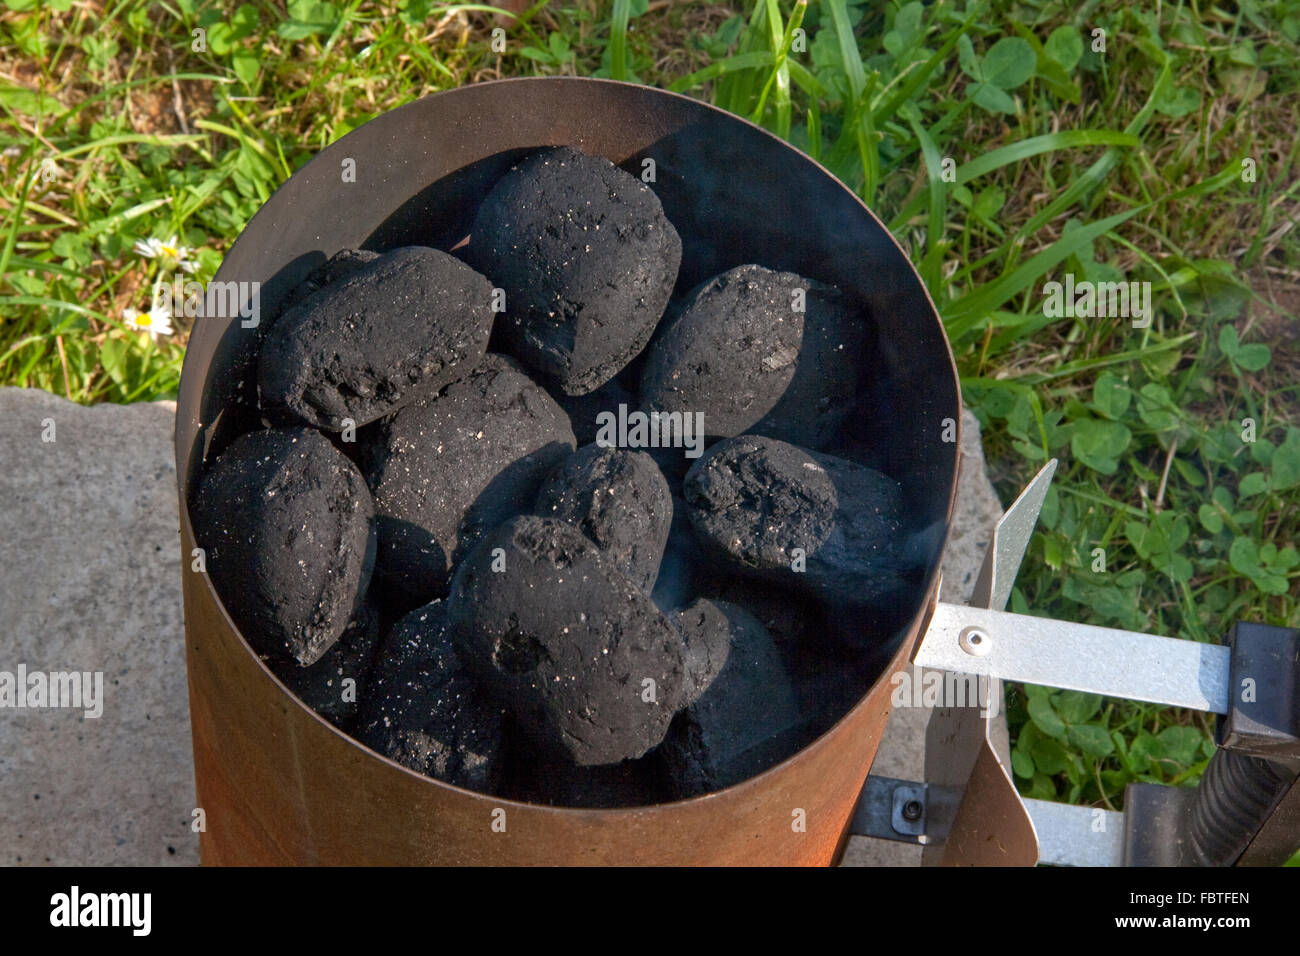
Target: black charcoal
<point>587,260</point>
<point>620,500</point>
<point>706,637</point>
<point>828,665</point>
<point>396,329</point>
<point>335,684</point>
<point>589,411</point>
<point>588,665</point>
<point>763,352</point>
<point>285,522</point>
<point>336,268</point>
<point>801,519</point>
<point>557,781</point>
<point>446,470</point>
<point>746,719</point>
<point>792,618</point>
<point>425,711</point>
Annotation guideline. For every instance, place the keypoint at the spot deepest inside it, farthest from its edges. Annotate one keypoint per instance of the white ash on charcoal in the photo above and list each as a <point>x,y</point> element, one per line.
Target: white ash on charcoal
<point>445,470</point>
<point>396,329</point>
<point>620,500</point>
<point>587,663</point>
<point>746,718</point>
<point>587,261</point>
<point>285,523</point>
<point>425,711</point>
<point>801,519</point>
<point>336,268</point>
<point>336,684</point>
<point>761,352</point>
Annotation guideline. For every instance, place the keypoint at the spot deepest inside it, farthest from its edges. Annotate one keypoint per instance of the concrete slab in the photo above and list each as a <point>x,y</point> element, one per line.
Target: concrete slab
<point>91,583</point>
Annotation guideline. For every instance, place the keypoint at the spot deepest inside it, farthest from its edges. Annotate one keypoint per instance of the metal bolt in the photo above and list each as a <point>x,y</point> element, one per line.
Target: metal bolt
<point>975,641</point>
<point>912,810</point>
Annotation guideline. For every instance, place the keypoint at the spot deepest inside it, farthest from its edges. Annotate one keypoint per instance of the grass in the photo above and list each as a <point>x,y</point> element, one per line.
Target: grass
<point>1006,145</point>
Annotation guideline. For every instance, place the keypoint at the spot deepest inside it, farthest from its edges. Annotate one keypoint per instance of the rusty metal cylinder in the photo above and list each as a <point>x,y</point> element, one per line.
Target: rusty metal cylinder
<point>277,783</point>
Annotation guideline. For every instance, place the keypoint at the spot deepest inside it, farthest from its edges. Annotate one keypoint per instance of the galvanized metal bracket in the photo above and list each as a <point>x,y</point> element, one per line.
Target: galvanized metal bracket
<point>891,809</point>
<point>1100,660</point>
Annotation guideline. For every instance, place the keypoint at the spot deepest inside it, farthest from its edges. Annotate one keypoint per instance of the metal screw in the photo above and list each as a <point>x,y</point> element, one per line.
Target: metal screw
<point>975,641</point>
<point>912,810</point>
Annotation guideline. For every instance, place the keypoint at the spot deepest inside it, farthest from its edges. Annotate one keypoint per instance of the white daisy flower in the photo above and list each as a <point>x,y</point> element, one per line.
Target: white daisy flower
<point>157,321</point>
<point>169,252</point>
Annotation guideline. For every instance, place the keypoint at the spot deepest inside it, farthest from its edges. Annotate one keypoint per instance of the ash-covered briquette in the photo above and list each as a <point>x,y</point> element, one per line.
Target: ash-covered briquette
<point>620,500</point>
<point>801,519</point>
<point>324,685</point>
<point>396,329</point>
<point>588,665</point>
<point>758,351</point>
<point>286,523</point>
<point>341,265</point>
<point>745,720</point>
<point>445,470</point>
<point>587,260</point>
<point>425,711</point>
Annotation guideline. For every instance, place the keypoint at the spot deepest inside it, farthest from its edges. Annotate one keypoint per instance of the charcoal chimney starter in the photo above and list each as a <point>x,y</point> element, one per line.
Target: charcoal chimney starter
<point>277,783</point>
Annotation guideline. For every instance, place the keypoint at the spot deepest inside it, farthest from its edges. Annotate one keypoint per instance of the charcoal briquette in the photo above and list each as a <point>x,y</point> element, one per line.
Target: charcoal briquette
<point>746,718</point>
<point>445,470</point>
<point>324,686</point>
<point>425,711</point>
<point>617,498</point>
<point>801,519</point>
<point>761,352</point>
<point>336,268</point>
<point>589,666</point>
<point>706,639</point>
<point>395,329</point>
<point>285,522</point>
<point>587,260</point>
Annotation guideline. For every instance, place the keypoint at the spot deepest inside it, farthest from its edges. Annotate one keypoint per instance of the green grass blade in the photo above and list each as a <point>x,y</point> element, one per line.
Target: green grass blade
<point>1017,152</point>
<point>618,39</point>
<point>11,234</point>
<point>967,312</point>
<point>938,193</point>
<point>853,68</point>
<point>728,67</point>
